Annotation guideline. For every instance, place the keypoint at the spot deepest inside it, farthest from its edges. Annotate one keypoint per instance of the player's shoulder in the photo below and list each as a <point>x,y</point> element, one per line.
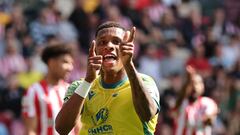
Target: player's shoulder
<point>207,100</point>
<point>64,84</point>
<point>73,86</point>
<point>71,89</point>
<point>33,88</point>
<point>146,78</point>
<point>210,105</point>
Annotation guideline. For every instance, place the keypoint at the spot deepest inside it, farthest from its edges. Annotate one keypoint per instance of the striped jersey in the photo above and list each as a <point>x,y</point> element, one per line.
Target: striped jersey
<point>44,101</point>
<point>189,120</point>
<point>110,110</point>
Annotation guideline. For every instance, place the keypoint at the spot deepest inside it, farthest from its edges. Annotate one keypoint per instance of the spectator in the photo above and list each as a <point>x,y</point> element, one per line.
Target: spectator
<point>150,58</point>
<point>29,76</point>
<point>198,60</point>
<point>66,30</point>
<point>44,26</point>
<point>231,52</point>
<point>80,19</point>
<point>114,14</point>
<point>172,58</point>
<point>168,25</point>
<point>13,61</point>
<point>10,102</point>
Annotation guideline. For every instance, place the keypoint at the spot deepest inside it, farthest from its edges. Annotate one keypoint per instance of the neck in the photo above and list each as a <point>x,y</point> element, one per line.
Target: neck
<point>51,79</point>
<point>113,77</point>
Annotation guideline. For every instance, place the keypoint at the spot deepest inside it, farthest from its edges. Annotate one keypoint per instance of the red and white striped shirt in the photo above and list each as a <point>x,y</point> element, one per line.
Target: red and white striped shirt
<point>190,118</point>
<point>11,64</point>
<point>44,101</point>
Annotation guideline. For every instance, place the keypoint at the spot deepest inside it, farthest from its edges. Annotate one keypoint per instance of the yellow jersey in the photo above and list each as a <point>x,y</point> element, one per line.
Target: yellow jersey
<point>109,109</point>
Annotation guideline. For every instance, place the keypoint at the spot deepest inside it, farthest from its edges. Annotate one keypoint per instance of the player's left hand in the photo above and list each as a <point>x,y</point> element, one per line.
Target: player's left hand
<point>127,47</point>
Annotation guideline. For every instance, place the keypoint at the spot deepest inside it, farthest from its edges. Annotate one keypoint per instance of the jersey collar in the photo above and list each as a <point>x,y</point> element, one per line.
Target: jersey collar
<point>113,85</point>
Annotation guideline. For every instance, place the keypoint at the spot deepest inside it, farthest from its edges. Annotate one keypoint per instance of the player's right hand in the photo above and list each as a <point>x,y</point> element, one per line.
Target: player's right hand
<point>190,72</point>
<point>94,63</point>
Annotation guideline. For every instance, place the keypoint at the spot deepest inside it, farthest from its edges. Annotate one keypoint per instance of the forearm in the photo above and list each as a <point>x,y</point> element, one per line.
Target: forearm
<point>182,94</point>
<point>31,125</point>
<point>142,100</point>
<point>31,132</point>
<point>69,114</point>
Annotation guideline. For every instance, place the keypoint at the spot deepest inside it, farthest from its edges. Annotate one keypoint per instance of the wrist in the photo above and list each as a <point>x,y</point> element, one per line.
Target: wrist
<point>83,89</point>
<point>129,66</point>
<point>89,80</point>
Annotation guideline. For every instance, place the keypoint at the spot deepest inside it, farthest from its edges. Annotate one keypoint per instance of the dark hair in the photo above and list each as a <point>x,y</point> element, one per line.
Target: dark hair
<point>53,51</point>
<point>108,24</point>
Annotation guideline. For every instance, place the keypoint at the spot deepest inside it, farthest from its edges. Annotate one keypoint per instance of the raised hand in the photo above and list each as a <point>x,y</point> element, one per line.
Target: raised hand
<point>190,72</point>
<point>94,63</point>
<point>127,47</point>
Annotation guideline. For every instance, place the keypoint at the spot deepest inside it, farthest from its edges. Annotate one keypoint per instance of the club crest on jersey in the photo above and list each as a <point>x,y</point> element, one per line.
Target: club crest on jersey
<point>101,116</point>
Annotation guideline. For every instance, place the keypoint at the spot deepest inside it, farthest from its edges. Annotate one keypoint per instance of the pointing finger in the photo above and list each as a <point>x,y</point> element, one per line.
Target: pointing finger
<point>132,35</point>
<point>126,36</point>
<point>92,49</point>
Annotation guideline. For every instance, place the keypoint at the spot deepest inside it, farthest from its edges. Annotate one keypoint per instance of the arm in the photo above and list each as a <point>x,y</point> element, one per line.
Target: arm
<point>31,125</point>
<point>70,112</point>
<point>182,94</point>
<point>186,86</point>
<point>144,104</point>
<point>28,112</point>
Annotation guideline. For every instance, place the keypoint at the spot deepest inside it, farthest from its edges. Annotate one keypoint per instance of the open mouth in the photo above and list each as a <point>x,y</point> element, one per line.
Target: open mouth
<point>109,57</point>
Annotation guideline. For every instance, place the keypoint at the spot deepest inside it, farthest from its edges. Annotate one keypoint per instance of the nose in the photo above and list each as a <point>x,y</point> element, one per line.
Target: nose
<point>109,46</point>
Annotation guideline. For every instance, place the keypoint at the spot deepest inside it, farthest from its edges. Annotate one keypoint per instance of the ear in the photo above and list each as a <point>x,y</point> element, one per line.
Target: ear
<point>51,62</point>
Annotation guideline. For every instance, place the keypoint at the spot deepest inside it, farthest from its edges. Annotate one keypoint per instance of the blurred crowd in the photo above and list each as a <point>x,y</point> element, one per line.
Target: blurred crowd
<point>170,35</point>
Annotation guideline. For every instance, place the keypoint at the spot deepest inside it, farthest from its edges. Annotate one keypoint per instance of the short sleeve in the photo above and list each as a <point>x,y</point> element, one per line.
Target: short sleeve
<point>28,104</point>
<point>152,89</point>
<point>211,106</point>
<point>74,85</point>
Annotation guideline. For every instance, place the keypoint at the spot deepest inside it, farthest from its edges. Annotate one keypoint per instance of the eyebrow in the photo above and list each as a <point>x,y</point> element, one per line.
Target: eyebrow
<point>115,37</point>
<point>118,31</point>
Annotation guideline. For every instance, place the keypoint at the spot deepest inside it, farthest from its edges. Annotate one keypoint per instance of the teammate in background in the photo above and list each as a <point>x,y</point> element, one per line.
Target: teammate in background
<point>195,114</point>
<point>117,101</point>
<point>44,99</point>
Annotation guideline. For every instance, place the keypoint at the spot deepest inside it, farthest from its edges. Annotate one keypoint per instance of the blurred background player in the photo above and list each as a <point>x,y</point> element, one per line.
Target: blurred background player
<point>195,114</point>
<point>44,99</point>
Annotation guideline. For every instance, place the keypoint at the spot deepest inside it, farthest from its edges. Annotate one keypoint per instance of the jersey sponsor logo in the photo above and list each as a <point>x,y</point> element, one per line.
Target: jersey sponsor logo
<point>103,129</point>
<point>101,116</point>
